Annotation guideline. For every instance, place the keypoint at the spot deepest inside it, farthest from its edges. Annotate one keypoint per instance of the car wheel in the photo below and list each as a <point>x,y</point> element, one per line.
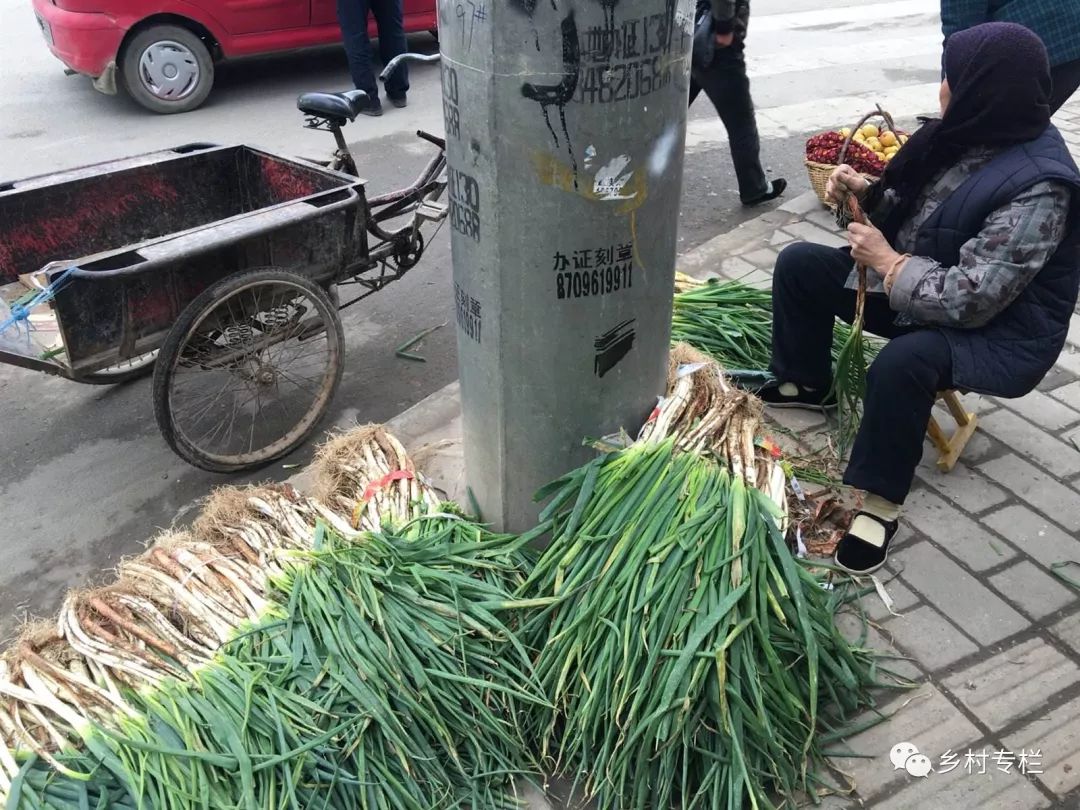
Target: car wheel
<point>167,69</point>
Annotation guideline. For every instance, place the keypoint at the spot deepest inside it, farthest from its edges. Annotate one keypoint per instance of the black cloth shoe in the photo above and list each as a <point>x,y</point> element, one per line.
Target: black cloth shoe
<point>373,108</point>
<point>399,101</point>
<point>776,188</point>
<point>771,395</point>
<point>856,556</point>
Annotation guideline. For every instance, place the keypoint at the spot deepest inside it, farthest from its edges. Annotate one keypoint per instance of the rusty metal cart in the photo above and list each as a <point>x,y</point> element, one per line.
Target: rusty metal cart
<point>218,267</point>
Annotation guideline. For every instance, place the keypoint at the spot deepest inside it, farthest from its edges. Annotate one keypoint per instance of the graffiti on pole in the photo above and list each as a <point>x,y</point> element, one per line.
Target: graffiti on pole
<point>560,94</point>
<point>627,61</point>
<point>464,193</point>
<point>469,13</point>
<point>613,346</point>
<point>468,313</point>
<point>616,61</point>
<point>450,98</point>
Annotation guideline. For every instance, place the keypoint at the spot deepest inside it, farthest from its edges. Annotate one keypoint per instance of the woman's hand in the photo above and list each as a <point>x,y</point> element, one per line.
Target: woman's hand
<point>870,247</point>
<point>843,181</point>
<point>724,40</point>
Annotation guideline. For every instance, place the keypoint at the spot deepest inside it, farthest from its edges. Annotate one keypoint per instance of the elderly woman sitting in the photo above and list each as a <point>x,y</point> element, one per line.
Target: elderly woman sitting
<point>974,270</point>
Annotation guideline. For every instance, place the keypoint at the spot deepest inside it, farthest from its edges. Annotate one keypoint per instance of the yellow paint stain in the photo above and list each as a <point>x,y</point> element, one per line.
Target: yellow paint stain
<point>552,171</point>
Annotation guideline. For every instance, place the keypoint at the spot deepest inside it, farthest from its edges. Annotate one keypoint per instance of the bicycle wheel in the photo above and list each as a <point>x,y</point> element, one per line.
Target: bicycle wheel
<point>248,370</point>
<point>133,368</point>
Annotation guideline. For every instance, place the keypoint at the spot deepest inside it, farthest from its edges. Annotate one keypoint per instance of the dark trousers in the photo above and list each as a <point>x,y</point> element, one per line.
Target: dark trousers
<point>1066,78</point>
<point>726,84</point>
<point>389,16</point>
<point>903,381</point>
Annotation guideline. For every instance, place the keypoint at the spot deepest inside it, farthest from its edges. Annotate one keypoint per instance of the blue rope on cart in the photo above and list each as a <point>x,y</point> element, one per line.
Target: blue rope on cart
<point>20,310</point>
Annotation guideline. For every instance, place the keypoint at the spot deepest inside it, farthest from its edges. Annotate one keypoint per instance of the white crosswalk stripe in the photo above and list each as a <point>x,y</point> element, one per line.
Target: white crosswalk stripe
<point>794,60</point>
<point>818,114</point>
<point>840,14</point>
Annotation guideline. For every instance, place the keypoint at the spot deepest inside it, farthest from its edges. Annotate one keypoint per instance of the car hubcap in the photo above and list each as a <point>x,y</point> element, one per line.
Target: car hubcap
<point>169,70</point>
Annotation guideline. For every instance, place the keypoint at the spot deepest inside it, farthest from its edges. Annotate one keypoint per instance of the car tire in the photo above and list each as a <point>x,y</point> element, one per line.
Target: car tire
<point>167,69</point>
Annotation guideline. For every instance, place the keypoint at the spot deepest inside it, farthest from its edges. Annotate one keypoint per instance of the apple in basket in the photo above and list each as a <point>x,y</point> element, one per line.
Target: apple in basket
<point>870,148</point>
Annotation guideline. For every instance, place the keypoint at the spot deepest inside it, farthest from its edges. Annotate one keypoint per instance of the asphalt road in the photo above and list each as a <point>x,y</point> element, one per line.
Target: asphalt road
<point>84,476</point>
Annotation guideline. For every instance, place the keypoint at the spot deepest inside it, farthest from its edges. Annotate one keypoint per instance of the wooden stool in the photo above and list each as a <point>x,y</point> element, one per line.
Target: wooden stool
<point>950,447</point>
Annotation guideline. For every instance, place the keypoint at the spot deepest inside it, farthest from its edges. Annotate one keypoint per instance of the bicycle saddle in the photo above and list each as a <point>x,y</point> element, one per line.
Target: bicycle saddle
<point>334,107</point>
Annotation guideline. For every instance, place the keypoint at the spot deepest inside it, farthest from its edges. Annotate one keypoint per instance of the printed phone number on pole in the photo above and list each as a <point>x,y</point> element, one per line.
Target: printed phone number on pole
<point>626,61</point>
<point>586,283</point>
<point>604,84</point>
<point>594,271</point>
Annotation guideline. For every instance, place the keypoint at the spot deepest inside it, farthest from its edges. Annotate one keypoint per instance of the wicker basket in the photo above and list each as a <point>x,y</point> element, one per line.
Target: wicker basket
<point>819,173</point>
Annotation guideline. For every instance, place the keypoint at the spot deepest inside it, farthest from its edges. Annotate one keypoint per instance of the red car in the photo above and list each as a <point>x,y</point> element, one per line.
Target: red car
<point>165,50</point>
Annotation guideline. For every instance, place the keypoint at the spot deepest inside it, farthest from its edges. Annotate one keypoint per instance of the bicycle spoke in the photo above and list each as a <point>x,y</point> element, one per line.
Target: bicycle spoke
<point>254,419</point>
<point>247,379</point>
<point>289,377</point>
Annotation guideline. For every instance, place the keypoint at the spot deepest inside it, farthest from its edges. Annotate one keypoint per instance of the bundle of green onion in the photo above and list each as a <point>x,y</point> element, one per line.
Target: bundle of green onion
<point>264,661</point>
<point>728,320</point>
<point>375,649</point>
<point>732,323</point>
<point>691,660</point>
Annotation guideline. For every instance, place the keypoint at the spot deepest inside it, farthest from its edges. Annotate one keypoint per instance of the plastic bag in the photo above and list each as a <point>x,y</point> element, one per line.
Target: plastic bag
<point>17,334</point>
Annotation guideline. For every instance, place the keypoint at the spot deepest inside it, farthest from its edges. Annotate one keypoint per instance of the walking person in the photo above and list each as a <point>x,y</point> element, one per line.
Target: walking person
<point>1056,22</point>
<point>724,80</point>
<point>973,261</point>
<point>389,16</point>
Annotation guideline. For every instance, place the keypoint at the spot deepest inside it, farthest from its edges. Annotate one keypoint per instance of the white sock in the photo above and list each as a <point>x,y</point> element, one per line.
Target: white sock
<point>869,530</point>
<point>792,390</point>
<point>879,507</point>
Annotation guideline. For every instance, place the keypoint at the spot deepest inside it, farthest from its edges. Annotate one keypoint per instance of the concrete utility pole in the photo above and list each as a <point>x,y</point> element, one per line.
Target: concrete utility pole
<point>565,124</point>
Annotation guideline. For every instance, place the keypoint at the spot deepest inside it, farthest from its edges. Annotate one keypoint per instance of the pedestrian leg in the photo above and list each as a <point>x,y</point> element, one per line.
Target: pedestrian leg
<point>389,16</point>
<point>726,84</point>
<point>353,17</point>
<point>695,88</point>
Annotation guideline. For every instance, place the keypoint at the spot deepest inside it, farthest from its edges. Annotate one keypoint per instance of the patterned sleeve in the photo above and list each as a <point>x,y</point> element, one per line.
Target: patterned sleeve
<point>1014,244</point>
<point>957,15</point>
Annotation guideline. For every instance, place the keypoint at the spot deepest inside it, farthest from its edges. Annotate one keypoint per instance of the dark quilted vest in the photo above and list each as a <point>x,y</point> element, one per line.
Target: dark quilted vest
<point>1010,355</point>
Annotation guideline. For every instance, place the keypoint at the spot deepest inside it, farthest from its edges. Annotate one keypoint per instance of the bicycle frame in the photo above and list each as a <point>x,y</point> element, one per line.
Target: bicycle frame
<point>396,250</point>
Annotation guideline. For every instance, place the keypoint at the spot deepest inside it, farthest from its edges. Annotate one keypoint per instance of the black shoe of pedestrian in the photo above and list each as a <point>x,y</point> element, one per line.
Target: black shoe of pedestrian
<point>858,556</point>
<point>776,188</point>
<point>400,101</point>
<point>373,108</point>
<point>818,399</point>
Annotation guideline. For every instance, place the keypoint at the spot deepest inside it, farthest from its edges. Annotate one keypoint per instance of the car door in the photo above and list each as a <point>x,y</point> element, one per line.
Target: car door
<point>259,16</point>
<point>419,15</point>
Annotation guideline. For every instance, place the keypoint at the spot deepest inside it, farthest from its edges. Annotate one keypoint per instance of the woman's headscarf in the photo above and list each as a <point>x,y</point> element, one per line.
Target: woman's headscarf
<point>999,77</point>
